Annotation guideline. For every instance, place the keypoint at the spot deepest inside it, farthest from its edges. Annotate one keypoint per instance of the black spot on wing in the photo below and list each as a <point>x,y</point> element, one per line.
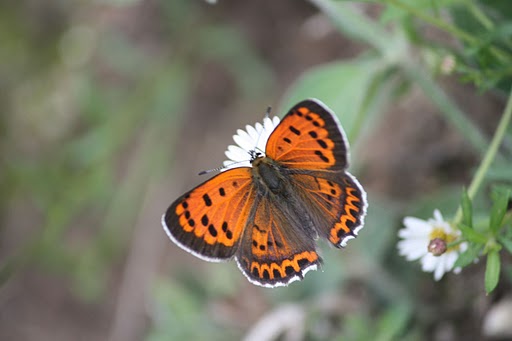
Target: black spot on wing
<point>321,156</point>
<point>204,220</point>
<point>294,130</point>
<point>322,143</point>
<point>212,230</point>
<point>207,200</point>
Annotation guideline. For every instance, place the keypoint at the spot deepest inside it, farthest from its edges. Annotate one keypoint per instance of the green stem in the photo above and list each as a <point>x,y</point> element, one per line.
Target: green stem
<point>493,149</point>
<point>489,155</point>
<point>480,16</point>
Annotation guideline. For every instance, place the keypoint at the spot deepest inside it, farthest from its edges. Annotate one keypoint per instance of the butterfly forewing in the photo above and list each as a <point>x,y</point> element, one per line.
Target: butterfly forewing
<point>309,137</point>
<point>209,220</point>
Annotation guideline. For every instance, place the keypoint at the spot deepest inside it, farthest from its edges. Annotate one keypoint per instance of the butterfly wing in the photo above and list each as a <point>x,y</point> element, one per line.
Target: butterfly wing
<point>309,137</point>
<point>277,247</point>
<point>209,220</point>
<point>312,149</point>
<point>336,204</point>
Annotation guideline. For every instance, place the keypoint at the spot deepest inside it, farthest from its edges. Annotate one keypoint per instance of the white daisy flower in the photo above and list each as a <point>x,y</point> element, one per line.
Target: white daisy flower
<point>250,140</point>
<point>428,240</point>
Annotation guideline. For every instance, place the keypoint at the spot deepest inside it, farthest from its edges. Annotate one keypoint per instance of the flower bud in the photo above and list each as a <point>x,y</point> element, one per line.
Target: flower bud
<point>437,247</point>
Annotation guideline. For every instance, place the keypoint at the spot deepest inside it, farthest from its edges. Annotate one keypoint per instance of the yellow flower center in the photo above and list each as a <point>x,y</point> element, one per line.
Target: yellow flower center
<point>439,232</point>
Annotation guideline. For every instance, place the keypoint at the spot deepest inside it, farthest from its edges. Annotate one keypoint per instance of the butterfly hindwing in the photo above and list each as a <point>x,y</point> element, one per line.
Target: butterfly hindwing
<point>209,220</point>
<point>277,247</point>
<point>309,137</point>
<point>336,203</point>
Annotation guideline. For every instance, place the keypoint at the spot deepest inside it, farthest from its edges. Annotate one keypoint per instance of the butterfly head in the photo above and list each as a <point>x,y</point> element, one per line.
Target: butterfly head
<point>255,154</point>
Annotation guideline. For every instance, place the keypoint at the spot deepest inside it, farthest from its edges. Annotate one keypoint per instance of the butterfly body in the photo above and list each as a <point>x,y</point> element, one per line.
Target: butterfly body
<point>269,216</point>
<point>268,177</point>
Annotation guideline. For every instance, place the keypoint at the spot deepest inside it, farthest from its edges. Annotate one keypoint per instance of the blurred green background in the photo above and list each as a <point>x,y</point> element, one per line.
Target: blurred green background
<point>111,107</point>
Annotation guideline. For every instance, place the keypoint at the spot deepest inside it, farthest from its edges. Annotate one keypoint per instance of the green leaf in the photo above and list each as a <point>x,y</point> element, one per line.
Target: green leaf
<point>469,256</point>
<point>506,242</point>
<point>499,208</point>
<point>467,209</point>
<point>492,271</point>
<point>472,235</point>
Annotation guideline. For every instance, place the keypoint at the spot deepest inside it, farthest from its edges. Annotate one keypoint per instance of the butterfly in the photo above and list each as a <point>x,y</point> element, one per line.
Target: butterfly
<point>268,214</point>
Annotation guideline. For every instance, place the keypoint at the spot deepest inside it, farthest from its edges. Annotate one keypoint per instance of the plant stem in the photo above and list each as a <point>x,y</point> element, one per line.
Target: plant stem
<point>489,155</point>
<point>480,16</point>
<point>493,149</point>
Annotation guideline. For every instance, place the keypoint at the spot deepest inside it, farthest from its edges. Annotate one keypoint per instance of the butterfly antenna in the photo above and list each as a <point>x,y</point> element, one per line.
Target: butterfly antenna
<point>269,110</point>
<point>211,170</point>
<point>218,169</point>
<point>267,115</point>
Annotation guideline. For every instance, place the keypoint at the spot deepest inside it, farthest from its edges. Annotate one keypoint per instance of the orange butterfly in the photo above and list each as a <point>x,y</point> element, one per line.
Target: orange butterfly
<point>268,213</point>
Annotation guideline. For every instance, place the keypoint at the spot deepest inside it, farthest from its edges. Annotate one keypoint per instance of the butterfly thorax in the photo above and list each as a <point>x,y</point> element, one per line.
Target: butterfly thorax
<point>268,176</point>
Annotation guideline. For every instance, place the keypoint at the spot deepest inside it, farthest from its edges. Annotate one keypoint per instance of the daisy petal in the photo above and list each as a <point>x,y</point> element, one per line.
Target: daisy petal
<point>418,226</point>
<point>259,128</point>
<point>409,233</point>
<point>438,216</point>
<point>429,262</point>
<point>236,154</point>
<point>243,140</point>
<point>253,132</point>
<point>412,250</point>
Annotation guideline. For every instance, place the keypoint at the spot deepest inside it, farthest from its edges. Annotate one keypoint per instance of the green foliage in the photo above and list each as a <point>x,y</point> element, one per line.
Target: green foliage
<point>489,238</point>
<point>501,196</point>
<point>492,270</point>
